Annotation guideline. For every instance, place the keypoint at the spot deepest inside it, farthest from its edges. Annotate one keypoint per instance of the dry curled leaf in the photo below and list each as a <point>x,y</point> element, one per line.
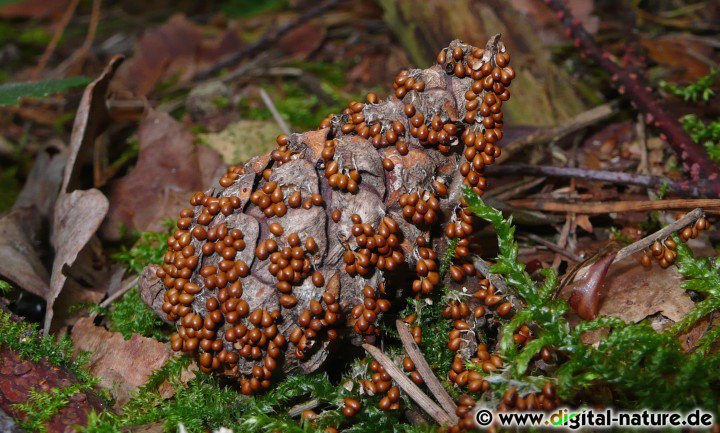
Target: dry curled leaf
<point>19,259</point>
<point>77,217</point>
<point>90,120</point>
<point>43,183</point>
<point>169,166</point>
<point>587,288</point>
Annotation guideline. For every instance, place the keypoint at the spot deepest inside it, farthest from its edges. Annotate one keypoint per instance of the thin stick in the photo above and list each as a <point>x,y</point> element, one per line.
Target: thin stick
<point>422,400</point>
<point>581,121</point>
<point>553,247</point>
<point>81,53</point>
<point>273,109</point>
<point>126,286</point>
<point>663,233</point>
<point>617,206</point>
<point>508,191</point>
<point>696,189</point>
<point>302,407</point>
<point>484,268</point>
<point>59,30</point>
<point>424,369</point>
<point>268,38</point>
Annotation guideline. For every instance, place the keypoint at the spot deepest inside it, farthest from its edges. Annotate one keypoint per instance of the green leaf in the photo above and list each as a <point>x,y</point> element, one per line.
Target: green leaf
<point>10,93</point>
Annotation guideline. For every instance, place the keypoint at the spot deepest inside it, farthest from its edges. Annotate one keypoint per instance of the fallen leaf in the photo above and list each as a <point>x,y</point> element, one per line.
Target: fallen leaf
<point>77,217</point>
<point>168,168</point>
<point>19,259</point>
<point>90,120</point>
<point>242,140</point>
<point>682,57</point>
<point>78,214</point>
<point>43,182</point>
<point>176,49</point>
<point>633,292</point>
<point>122,365</point>
<point>302,41</point>
<point>586,291</point>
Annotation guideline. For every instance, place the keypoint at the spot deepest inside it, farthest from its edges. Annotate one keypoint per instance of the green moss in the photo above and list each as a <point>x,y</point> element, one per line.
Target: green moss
<point>149,248</point>
<point>27,341</point>
<point>41,406</point>
<point>639,366</point>
<point>130,315</point>
<point>705,133</point>
<point>5,287</point>
<point>702,89</point>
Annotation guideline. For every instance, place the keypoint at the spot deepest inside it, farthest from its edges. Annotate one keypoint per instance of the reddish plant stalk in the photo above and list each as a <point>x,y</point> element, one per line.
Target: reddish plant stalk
<point>692,155</point>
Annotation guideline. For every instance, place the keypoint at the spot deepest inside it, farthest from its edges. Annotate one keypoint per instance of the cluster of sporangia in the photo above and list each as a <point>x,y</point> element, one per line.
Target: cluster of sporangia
<point>381,384</point>
<point>231,332</point>
<point>545,400</point>
<point>664,251</point>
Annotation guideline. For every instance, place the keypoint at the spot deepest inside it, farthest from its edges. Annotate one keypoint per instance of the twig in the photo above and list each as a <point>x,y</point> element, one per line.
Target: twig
<point>643,167</point>
<point>617,206</point>
<point>273,109</point>
<point>425,402</point>
<point>302,407</point>
<point>59,30</point>
<point>508,191</point>
<point>424,369</point>
<point>693,155</point>
<point>553,247</point>
<point>564,235</point>
<point>267,39</point>
<point>663,233</point>
<point>127,284</point>
<point>700,188</point>
<point>82,52</point>
<point>581,270</point>
<point>581,121</point>
<point>484,268</point>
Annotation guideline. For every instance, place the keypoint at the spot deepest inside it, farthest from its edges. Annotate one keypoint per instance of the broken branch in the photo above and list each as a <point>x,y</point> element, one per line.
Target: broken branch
<point>424,369</point>
<point>425,402</point>
<point>617,206</point>
<point>701,188</point>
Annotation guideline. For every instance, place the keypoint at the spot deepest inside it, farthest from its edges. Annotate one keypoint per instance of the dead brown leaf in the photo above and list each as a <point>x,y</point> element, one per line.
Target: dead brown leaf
<point>587,290</point>
<point>19,260</point>
<point>634,292</point>
<point>122,365</point>
<point>90,120</point>
<point>169,166</point>
<point>302,41</point>
<point>680,56</point>
<point>43,183</point>
<point>176,49</point>
<point>78,214</point>
<point>77,217</point>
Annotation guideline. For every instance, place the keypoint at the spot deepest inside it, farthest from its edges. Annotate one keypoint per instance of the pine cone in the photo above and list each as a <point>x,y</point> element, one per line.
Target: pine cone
<point>298,247</point>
